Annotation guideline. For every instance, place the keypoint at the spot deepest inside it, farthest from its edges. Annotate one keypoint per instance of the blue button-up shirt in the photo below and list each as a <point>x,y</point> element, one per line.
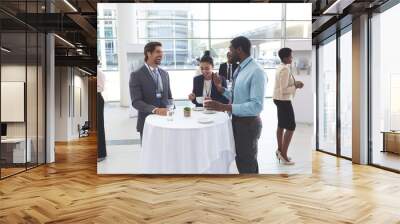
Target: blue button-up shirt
<point>248,98</point>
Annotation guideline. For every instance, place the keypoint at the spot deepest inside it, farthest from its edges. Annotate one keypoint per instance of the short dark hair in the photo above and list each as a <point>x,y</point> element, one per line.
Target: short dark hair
<point>284,53</point>
<point>243,43</point>
<point>150,47</point>
<point>208,59</point>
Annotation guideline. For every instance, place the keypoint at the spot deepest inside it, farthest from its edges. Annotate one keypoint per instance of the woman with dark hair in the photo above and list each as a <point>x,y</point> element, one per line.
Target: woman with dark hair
<point>203,86</point>
<point>284,91</point>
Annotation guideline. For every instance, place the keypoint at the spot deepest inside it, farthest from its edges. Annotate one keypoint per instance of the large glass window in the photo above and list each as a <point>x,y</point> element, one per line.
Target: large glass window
<point>335,73</point>
<point>296,11</point>
<point>385,89</point>
<point>107,39</point>
<point>245,11</point>
<point>327,96</point>
<point>346,94</point>
<point>187,30</point>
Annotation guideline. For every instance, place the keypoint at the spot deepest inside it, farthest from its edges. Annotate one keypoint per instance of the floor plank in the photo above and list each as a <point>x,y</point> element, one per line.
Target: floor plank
<point>70,191</point>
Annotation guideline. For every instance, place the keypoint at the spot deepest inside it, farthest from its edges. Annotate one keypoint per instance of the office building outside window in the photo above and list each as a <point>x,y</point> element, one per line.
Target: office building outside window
<point>187,30</point>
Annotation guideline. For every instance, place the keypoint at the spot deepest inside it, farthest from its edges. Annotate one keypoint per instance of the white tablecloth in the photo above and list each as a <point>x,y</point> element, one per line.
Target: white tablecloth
<point>185,146</point>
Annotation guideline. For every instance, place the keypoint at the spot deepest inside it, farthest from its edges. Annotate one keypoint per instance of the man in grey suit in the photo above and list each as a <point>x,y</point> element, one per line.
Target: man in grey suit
<point>149,86</point>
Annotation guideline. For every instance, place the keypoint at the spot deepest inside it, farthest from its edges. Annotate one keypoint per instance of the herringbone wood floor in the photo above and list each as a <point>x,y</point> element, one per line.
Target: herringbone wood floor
<point>70,191</point>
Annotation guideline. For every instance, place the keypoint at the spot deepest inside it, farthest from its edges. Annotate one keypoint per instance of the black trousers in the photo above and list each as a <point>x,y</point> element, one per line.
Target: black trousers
<point>246,132</point>
<point>101,137</point>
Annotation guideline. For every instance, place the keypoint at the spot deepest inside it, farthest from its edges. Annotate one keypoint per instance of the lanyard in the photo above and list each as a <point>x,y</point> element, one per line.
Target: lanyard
<point>240,68</point>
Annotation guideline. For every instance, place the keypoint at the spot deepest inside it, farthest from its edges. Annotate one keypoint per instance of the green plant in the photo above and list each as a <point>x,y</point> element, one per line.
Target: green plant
<point>186,109</point>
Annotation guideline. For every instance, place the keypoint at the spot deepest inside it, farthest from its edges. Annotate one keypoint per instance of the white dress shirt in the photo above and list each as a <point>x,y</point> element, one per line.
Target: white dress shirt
<point>100,80</point>
<point>207,88</point>
<point>229,71</point>
<point>285,88</point>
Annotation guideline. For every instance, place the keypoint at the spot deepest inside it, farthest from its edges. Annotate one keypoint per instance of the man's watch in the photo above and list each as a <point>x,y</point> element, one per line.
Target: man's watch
<point>154,110</point>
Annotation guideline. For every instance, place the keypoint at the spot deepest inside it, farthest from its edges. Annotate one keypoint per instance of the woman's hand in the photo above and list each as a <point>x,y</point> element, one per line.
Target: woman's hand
<point>299,84</point>
<point>207,98</point>
<point>192,96</point>
<point>216,79</point>
<point>217,82</point>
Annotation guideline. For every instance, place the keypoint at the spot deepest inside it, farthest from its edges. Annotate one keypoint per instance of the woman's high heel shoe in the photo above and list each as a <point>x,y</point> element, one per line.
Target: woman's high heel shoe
<point>284,161</point>
<point>279,152</point>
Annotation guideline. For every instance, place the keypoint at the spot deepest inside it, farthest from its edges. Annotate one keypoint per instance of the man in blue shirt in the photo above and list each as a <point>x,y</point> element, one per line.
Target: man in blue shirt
<point>247,100</point>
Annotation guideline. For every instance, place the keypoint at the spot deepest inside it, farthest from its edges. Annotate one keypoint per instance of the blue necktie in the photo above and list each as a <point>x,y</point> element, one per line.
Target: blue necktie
<point>157,80</point>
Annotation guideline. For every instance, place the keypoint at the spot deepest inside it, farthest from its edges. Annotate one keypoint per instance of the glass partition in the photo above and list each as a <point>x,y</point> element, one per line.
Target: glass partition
<point>327,96</point>
<point>346,94</point>
<point>22,67</point>
<point>385,90</point>
<point>14,144</point>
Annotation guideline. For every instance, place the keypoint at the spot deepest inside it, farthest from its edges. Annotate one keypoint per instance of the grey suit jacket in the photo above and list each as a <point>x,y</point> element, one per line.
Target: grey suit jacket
<point>143,93</point>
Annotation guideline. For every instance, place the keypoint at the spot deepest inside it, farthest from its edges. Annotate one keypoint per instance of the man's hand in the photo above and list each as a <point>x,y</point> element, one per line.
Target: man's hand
<point>192,96</point>
<point>217,106</point>
<point>161,111</point>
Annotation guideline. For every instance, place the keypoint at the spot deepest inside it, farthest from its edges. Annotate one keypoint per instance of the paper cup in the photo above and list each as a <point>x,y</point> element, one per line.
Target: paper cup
<point>200,99</point>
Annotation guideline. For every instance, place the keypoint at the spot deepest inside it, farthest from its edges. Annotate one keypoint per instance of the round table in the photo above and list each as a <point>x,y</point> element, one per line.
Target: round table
<point>186,146</point>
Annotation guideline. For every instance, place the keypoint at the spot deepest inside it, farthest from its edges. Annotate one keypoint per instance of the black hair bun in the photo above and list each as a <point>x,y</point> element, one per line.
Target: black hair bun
<point>207,58</point>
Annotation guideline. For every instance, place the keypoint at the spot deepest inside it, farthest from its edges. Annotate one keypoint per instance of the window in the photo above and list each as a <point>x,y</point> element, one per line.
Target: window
<point>385,89</point>
<point>298,29</point>
<point>186,30</point>
<point>108,32</point>
<point>246,11</point>
<point>250,29</point>
<point>327,96</point>
<point>109,47</point>
<point>107,13</point>
<point>346,94</point>
<point>98,48</point>
<point>107,37</point>
<point>298,11</point>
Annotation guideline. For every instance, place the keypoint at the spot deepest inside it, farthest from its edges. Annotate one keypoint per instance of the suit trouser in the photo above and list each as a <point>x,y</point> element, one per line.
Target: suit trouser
<point>246,131</point>
<point>101,138</point>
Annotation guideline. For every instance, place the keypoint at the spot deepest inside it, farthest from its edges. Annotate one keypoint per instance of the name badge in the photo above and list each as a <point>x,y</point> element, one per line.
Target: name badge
<point>158,95</point>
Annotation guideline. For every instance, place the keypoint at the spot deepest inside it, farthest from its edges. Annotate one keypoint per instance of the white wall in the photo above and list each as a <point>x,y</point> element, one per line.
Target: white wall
<point>33,126</point>
<point>61,103</point>
<point>69,82</point>
<point>303,103</point>
<point>16,73</point>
